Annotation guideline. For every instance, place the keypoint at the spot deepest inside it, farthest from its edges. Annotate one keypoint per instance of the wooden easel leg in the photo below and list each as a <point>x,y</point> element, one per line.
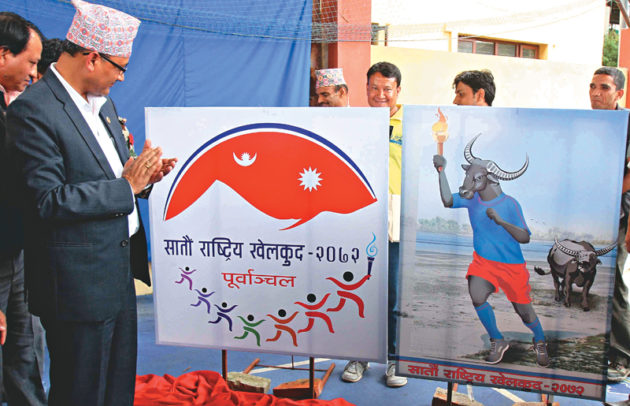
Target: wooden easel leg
<point>452,387</point>
<point>309,388</point>
<point>224,364</point>
<point>251,366</point>
<point>546,399</point>
<point>327,375</point>
<point>311,376</point>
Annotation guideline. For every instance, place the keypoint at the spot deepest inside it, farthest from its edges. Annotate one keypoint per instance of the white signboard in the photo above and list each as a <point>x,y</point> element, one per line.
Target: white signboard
<point>271,233</point>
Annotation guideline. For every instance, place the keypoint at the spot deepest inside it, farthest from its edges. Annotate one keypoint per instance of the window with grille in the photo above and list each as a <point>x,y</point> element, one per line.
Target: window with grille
<point>472,45</point>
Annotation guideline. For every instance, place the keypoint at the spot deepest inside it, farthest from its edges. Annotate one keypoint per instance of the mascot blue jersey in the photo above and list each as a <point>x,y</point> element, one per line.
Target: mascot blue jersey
<point>491,241</point>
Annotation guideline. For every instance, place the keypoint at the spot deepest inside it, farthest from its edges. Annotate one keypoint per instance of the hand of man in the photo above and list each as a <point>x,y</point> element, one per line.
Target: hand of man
<point>167,165</point>
<point>3,328</point>
<point>143,168</point>
<point>627,239</point>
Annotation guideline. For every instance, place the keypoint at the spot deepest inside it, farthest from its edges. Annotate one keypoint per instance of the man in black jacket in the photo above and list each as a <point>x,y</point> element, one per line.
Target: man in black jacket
<point>84,240</point>
<point>20,50</point>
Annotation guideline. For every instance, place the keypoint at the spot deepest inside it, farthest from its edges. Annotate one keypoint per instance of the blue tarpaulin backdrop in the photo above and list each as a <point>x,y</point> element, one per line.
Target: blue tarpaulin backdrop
<point>200,53</point>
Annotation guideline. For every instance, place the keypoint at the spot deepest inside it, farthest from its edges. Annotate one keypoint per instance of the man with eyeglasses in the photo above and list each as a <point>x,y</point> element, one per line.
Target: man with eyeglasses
<point>84,241</point>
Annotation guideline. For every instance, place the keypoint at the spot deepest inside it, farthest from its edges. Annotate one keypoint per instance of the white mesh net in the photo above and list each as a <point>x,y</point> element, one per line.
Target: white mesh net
<point>325,21</point>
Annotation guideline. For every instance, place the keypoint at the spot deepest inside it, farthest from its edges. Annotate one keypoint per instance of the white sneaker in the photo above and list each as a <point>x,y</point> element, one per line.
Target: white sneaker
<point>353,372</point>
<point>391,379</point>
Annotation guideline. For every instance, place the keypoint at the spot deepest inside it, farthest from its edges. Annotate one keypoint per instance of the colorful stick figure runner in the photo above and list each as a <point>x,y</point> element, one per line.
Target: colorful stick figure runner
<point>311,298</point>
<point>282,313</point>
<point>202,298</point>
<point>249,328</point>
<point>343,294</point>
<point>185,276</point>
<point>222,313</point>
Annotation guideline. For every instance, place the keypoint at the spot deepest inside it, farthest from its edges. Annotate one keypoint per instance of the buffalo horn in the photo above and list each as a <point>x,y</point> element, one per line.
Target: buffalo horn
<point>468,149</point>
<point>606,250</point>
<point>494,169</point>
<point>564,249</point>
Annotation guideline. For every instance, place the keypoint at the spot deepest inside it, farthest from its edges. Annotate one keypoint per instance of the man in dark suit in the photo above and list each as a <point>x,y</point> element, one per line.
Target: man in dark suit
<point>21,360</point>
<point>84,238</point>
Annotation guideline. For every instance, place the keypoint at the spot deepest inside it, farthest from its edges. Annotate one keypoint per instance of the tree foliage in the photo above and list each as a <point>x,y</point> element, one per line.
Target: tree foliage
<point>611,48</point>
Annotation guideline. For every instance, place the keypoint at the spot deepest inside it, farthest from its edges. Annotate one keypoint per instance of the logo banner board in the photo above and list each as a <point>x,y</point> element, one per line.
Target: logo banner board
<point>270,235</point>
<point>522,196</point>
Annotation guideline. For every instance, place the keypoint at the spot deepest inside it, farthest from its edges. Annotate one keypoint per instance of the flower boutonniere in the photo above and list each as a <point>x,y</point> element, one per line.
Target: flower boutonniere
<point>128,137</point>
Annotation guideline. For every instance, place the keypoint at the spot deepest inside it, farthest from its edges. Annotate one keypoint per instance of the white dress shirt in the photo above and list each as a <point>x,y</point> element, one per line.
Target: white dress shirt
<point>90,111</point>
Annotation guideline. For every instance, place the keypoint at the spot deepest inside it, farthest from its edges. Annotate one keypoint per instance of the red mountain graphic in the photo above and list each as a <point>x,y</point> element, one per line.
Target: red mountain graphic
<point>284,171</point>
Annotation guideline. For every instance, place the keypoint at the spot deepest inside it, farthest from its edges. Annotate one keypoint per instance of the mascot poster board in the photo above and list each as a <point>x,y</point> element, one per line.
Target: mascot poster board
<point>508,246</point>
<point>270,235</point>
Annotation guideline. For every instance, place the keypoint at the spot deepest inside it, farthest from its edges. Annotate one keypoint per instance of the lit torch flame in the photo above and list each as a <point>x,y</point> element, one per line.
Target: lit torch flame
<point>440,131</point>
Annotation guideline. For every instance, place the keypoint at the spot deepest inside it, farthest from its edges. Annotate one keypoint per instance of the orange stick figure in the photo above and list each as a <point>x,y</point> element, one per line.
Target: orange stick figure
<point>282,328</point>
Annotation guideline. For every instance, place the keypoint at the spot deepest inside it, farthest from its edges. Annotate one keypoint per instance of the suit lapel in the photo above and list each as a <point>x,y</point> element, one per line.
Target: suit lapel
<point>79,122</point>
<point>110,119</point>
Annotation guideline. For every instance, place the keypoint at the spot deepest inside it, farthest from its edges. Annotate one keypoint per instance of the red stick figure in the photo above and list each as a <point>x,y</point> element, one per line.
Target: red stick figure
<point>312,298</point>
<point>343,294</point>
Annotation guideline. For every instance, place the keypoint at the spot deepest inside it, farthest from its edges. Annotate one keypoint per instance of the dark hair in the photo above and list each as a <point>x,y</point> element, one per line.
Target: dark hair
<point>15,32</point>
<point>72,48</point>
<point>478,79</point>
<point>389,70</point>
<point>618,79</point>
<point>338,87</point>
<point>51,49</point>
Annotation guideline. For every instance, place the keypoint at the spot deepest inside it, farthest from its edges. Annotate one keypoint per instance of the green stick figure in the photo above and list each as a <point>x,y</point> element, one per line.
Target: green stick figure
<point>249,328</point>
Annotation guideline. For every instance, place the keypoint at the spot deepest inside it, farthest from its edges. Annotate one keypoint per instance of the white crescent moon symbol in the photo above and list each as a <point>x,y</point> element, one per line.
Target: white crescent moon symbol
<point>244,162</point>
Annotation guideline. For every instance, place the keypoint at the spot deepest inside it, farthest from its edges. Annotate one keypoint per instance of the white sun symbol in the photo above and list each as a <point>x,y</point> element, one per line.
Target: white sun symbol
<point>310,179</point>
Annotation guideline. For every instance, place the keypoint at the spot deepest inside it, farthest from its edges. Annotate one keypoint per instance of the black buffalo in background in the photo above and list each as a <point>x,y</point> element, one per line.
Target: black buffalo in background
<point>573,262</point>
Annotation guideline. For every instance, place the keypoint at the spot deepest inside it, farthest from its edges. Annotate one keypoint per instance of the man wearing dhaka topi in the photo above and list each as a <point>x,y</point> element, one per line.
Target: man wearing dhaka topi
<point>331,88</point>
<point>84,238</point>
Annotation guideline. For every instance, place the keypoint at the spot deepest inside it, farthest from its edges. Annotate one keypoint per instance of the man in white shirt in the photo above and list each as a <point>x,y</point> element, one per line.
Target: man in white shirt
<point>84,241</point>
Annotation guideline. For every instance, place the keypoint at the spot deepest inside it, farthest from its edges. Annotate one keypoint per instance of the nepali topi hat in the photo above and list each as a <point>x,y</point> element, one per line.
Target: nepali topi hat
<point>102,29</point>
<point>329,77</point>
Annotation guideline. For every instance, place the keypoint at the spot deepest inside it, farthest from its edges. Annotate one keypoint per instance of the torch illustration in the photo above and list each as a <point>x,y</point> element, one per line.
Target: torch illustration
<point>371,252</point>
<point>440,132</point>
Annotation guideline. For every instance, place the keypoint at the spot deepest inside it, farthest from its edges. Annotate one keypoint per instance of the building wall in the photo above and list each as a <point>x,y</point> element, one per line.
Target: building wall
<point>427,78</point>
<point>566,30</point>
<point>624,54</point>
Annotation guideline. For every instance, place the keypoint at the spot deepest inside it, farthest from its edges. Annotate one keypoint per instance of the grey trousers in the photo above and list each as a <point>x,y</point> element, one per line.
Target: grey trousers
<point>620,323</point>
<point>22,356</point>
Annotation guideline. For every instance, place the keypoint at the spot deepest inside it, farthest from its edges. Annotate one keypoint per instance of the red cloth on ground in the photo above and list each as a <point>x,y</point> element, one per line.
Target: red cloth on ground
<point>208,388</point>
